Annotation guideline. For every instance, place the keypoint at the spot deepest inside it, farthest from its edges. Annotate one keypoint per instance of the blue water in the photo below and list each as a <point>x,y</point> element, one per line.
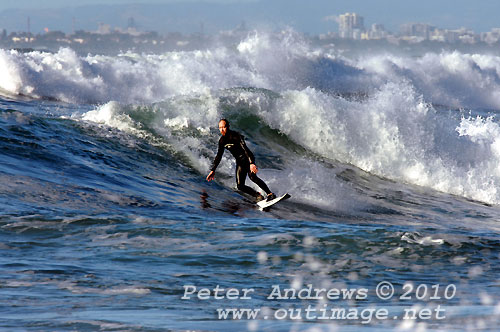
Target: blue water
<point>101,230</point>
<point>107,222</point>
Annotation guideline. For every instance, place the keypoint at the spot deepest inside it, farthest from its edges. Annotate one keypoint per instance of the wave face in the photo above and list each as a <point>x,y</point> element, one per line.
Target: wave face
<point>105,212</point>
<point>428,121</point>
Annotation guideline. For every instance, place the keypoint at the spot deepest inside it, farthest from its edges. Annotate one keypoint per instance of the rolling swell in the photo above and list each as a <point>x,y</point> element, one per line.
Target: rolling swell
<point>125,157</point>
<point>304,139</point>
<point>294,97</point>
<point>106,213</point>
<point>75,166</point>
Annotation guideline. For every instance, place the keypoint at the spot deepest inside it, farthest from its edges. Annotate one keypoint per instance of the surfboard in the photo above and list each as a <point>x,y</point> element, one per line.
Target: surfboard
<point>265,204</point>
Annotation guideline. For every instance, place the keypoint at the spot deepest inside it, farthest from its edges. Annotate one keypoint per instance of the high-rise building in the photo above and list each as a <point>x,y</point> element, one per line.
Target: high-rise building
<point>377,32</point>
<point>421,30</point>
<point>351,25</point>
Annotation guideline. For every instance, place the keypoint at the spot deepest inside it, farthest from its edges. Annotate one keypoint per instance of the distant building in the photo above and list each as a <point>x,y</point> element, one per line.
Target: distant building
<point>104,29</point>
<point>462,35</point>
<point>420,30</point>
<point>377,32</point>
<point>351,26</point>
<point>491,37</point>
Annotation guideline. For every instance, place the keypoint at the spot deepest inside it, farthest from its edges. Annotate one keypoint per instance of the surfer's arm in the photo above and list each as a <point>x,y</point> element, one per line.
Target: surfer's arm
<point>211,176</point>
<point>249,155</point>
<point>218,158</point>
<point>253,168</point>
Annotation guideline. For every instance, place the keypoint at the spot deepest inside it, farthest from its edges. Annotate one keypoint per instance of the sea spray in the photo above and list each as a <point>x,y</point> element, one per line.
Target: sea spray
<point>447,78</point>
<point>387,115</point>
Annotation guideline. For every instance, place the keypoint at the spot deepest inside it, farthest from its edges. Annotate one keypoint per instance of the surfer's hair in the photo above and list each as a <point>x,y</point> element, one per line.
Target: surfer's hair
<point>225,120</point>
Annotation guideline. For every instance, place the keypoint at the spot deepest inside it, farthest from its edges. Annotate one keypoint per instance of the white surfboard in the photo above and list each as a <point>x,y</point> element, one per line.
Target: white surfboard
<point>265,204</point>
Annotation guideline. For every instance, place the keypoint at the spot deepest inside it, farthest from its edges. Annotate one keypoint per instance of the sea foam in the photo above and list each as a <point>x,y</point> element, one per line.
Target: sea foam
<point>395,127</point>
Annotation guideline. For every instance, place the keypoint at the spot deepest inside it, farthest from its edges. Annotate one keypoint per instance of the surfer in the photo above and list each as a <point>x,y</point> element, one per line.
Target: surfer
<point>245,161</point>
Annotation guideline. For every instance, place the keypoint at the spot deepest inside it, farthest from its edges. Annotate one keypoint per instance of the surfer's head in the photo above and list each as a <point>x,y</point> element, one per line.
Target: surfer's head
<point>223,126</point>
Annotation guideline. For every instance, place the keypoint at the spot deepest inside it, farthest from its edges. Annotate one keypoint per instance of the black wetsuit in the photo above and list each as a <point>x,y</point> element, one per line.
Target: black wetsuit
<point>235,143</point>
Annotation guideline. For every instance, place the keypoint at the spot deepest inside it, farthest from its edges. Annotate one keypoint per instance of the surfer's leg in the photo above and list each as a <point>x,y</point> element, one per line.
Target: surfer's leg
<point>241,174</point>
<point>258,181</point>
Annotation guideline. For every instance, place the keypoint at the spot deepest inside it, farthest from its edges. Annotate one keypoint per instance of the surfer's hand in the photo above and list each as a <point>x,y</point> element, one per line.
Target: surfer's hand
<point>253,168</point>
<point>211,176</point>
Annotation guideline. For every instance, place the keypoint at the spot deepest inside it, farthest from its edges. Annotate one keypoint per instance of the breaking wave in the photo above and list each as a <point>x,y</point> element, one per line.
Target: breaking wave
<point>428,121</point>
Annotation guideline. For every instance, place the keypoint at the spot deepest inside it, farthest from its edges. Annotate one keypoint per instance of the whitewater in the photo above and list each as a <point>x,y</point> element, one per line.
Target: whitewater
<point>392,162</point>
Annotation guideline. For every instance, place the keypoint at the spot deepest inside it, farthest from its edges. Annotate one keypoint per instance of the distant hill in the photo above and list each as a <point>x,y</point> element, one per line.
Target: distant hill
<point>182,17</point>
<point>305,16</point>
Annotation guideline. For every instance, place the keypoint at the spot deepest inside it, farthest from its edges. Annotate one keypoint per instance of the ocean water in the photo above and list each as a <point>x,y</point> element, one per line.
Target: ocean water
<point>392,162</point>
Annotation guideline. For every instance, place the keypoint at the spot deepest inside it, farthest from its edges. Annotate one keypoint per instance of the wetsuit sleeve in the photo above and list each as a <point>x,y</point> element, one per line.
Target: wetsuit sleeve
<point>218,157</point>
<point>249,155</point>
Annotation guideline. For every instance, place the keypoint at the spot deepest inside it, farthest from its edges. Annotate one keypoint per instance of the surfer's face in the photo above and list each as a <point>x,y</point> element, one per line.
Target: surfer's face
<point>223,128</point>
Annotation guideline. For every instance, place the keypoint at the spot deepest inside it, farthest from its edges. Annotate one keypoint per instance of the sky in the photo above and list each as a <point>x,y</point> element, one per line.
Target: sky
<point>24,4</point>
<point>309,16</point>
